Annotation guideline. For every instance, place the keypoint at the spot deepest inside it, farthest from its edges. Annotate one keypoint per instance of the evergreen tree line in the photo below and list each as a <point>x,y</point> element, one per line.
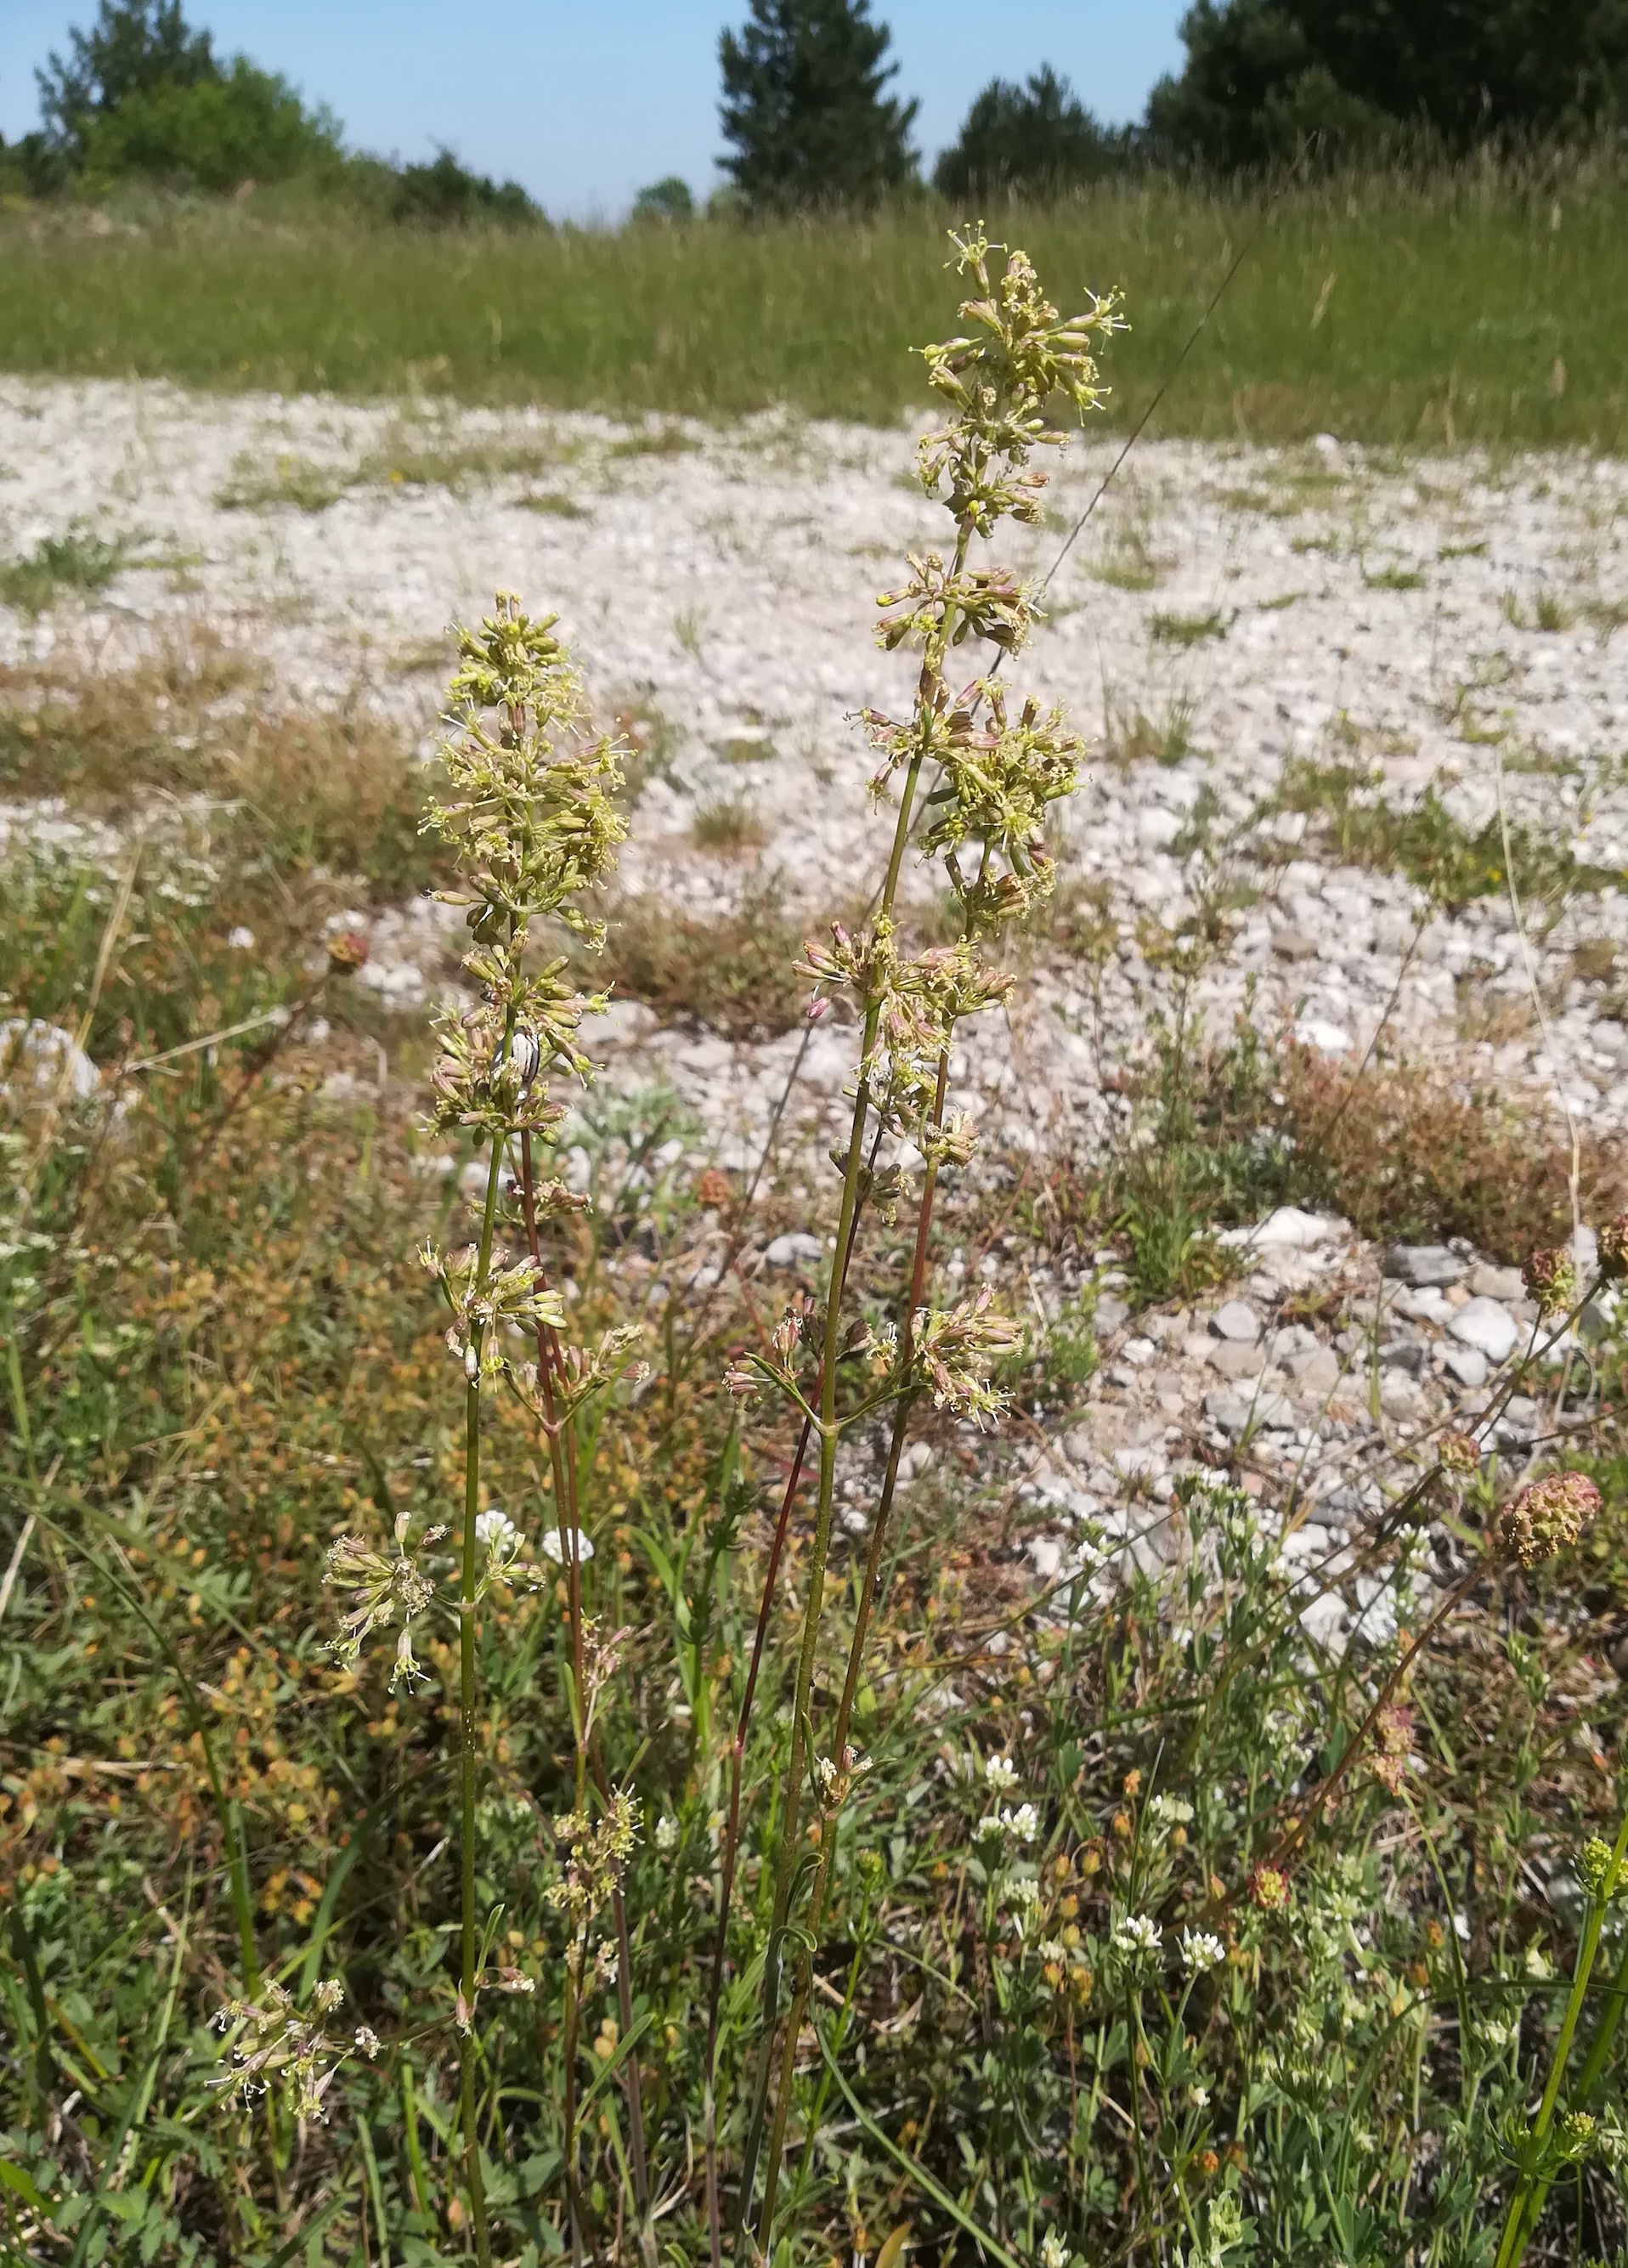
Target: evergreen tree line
<point>811,118</point>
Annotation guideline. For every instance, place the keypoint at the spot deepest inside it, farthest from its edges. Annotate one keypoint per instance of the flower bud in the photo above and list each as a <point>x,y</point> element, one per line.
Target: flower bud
<point>1547,1516</point>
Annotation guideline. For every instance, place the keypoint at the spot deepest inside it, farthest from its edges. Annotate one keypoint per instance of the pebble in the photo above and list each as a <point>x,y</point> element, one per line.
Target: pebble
<point>1236,1319</point>
<point>1487,1327</point>
<point>1468,1364</point>
<point>1423,1266</point>
<point>1235,1413</point>
<point>797,1249</point>
<point>1234,1359</point>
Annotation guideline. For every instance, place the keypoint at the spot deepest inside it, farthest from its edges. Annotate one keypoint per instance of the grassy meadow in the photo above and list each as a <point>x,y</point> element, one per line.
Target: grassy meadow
<point>1472,307</point>
<point>1150,1923</point>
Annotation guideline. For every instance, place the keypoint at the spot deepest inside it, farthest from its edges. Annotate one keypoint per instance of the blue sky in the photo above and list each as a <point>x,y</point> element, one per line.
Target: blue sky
<point>586,100</point>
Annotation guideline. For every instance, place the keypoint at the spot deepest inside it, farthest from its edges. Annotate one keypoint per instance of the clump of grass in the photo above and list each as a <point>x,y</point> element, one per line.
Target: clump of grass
<point>1548,611</point>
<point>1188,629</point>
<point>654,441</point>
<point>1403,1152</point>
<point>733,973</point>
<point>1393,578</point>
<point>1132,736</point>
<point>1127,561</point>
<point>294,480</point>
<point>339,792</point>
<point>79,561</point>
<point>1352,819</point>
<point>729,824</point>
<point>554,505</point>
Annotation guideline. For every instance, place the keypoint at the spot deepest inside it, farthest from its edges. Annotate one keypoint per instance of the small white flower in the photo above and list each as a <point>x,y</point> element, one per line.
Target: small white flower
<point>1023,1890</point>
<point>1000,1774</point>
<point>1198,2096</point>
<point>1200,1951</point>
<point>366,2041</point>
<point>1171,1811</point>
<point>581,1548</point>
<point>496,1530</point>
<point>666,1833</point>
<point>1053,2251</point>
<point>1138,1933</point>
<point>241,939</point>
<point>328,1994</point>
<point>1023,1824</point>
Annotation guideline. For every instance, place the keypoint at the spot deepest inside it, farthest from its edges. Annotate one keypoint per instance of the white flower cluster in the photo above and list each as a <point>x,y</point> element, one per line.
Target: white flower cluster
<point>1137,1934</point>
<point>1008,1826</point>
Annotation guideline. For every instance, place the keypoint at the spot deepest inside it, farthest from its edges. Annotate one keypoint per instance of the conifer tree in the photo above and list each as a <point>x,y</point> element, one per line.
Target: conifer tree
<point>1038,137</point>
<point>806,108</point>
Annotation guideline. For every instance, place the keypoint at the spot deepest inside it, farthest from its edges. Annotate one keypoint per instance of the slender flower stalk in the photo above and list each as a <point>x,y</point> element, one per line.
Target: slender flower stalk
<point>994,773</point>
<point>533,826</point>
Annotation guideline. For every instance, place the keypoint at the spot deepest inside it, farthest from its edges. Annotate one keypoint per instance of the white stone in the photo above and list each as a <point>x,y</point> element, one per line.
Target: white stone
<point>1236,1319</point>
<point>795,1249</point>
<point>1327,1039</point>
<point>1486,1326</point>
<point>1045,1556</point>
<point>46,1058</point>
<point>1288,1226</point>
<point>1468,1364</point>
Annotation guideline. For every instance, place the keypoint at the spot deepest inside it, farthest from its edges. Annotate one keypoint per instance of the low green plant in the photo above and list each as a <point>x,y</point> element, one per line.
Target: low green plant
<point>1424,841</point>
<point>1188,629</point>
<point>76,561</point>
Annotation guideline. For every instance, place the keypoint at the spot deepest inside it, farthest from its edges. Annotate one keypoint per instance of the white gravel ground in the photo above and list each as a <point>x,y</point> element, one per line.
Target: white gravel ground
<point>1366,606</point>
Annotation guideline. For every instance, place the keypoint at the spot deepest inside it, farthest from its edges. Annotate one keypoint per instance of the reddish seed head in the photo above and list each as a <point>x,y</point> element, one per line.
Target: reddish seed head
<point>1547,1516</point>
<point>1613,1248</point>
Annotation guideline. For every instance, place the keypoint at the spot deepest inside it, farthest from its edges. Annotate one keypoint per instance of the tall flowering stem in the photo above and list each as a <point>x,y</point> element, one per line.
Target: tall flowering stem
<point>531,817</point>
<point>994,768</point>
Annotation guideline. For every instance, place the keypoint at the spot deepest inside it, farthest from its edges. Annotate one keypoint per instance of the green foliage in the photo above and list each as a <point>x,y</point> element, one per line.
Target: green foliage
<point>1426,843</point>
<point>79,560</point>
<point>1037,139</point>
<point>212,133</point>
<point>669,199</point>
<point>137,48</point>
<point>805,110</point>
<point>1262,76</point>
<point>445,194</point>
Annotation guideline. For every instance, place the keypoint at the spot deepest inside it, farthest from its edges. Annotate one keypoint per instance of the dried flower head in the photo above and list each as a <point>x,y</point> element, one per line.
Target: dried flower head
<point>1547,1516</point>
<point>1613,1245</point>
<point>1550,1277</point>
<point>1460,1454</point>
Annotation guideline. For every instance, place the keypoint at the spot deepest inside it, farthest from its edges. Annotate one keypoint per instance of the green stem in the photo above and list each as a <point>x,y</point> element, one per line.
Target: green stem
<point>469,1766</point>
<point>1534,2187</point>
<point>797,1764</point>
<point>850,1682</point>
